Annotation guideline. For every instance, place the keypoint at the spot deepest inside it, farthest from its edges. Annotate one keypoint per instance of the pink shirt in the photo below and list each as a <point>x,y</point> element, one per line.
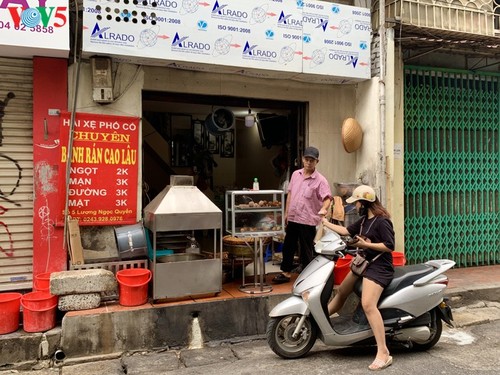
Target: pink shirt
<point>307,196</point>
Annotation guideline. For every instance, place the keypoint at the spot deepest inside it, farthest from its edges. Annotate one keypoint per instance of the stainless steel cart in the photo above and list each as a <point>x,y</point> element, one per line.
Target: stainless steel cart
<point>180,208</point>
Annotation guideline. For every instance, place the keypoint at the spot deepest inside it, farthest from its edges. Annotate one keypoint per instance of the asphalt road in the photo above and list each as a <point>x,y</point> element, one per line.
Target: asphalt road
<point>468,350</point>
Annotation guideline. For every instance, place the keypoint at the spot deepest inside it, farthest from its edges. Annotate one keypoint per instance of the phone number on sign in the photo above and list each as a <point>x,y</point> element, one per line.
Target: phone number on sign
<point>101,218</point>
<point>37,29</point>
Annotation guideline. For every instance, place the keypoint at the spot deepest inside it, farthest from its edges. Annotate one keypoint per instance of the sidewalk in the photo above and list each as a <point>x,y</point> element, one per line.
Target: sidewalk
<point>471,284</point>
<point>232,315</point>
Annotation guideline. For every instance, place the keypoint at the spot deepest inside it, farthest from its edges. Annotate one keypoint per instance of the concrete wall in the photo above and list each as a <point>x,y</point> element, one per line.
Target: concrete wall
<point>396,187</point>
<point>368,116</point>
<point>329,105</point>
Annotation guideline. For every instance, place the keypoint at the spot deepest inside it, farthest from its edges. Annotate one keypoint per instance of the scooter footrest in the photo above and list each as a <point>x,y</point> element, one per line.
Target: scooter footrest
<point>345,326</point>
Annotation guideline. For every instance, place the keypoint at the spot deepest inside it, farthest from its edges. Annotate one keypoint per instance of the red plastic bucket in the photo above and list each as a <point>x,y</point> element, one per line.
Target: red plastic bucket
<point>398,259</point>
<point>10,304</point>
<point>42,282</point>
<point>39,311</point>
<point>133,286</point>
<point>342,268</point>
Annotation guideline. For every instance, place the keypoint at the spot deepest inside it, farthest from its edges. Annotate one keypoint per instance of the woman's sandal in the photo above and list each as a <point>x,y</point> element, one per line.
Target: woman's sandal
<point>379,364</point>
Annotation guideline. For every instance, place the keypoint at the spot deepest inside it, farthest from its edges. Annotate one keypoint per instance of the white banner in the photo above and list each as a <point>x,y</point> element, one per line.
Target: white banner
<point>336,40</point>
<point>239,36</point>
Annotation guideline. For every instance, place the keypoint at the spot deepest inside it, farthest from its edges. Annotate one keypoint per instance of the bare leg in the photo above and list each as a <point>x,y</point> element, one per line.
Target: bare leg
<point>343,291</point>
<point>369,299</point>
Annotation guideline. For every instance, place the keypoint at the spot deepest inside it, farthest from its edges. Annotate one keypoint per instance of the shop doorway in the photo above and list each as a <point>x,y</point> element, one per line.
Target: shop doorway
<point>182,136</point>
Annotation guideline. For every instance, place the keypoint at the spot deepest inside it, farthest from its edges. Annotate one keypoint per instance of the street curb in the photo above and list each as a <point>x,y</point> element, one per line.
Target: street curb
<point>478,313</point>
<point>460,297</point>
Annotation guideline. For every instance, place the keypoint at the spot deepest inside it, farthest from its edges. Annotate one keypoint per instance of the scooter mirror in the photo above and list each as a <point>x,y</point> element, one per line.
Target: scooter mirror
<point>329,243</point>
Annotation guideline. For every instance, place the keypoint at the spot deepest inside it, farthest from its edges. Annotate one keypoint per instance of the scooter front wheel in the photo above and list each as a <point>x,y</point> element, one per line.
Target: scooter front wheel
<point>280,336</point>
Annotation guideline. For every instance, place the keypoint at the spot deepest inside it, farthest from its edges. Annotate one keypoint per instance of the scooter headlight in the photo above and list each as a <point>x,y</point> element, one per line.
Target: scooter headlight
<point>305,296</point>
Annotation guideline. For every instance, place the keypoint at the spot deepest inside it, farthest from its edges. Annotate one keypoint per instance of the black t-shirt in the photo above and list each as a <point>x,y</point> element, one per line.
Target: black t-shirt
<point>377,229</point>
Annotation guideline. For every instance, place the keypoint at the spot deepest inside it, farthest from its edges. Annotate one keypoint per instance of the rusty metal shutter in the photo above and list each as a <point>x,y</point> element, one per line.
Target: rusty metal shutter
<point>16,171</point>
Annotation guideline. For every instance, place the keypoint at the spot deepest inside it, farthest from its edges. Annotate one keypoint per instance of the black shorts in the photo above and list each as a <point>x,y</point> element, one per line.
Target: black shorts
<point>379,273</point>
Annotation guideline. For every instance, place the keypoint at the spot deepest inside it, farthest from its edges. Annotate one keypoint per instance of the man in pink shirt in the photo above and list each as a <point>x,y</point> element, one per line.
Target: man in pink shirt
<point>308,199</point>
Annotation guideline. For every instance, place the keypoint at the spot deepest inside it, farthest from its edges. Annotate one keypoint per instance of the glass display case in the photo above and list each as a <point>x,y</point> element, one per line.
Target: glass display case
<point>255,213</point>
<point>259,214</point>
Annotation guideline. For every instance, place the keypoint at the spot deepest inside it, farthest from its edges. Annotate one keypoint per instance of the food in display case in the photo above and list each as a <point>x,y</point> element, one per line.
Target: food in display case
<point>259,204</point>
<point>255,213</point>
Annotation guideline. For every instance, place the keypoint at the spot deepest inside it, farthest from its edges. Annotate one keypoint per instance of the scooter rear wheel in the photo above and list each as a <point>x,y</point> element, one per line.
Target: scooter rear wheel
<point>280,336</point>
<point>436,328</point>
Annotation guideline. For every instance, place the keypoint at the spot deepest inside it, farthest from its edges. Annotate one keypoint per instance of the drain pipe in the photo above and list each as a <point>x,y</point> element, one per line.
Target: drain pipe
<point>381,171</point>
<point>59,356</point>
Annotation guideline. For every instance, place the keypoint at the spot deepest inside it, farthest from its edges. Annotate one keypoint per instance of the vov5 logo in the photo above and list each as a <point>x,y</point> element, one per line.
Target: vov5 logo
<point>23,14</point>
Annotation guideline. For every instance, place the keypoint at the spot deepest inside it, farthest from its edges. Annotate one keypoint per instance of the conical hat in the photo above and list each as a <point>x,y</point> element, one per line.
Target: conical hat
<point>352,135</point>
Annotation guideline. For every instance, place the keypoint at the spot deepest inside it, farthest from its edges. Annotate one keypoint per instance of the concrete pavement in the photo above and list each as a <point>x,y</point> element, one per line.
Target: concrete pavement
<point>474,294</point>
<point>254,356</point>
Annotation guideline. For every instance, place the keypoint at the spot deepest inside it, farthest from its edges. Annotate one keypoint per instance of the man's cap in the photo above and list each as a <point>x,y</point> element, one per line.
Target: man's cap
<point>311,152</point>
<point>362,193</point>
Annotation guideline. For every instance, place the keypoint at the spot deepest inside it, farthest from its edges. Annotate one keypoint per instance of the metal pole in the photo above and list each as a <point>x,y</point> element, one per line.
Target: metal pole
<point>70,152</point>
<point>381,175</point>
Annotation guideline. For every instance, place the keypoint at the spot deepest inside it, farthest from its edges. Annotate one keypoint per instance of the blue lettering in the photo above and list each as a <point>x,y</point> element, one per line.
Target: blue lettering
<point>283,19</point>
<point>248,50</point>
<point>121,37</point>
<point>316,21</point>
<point>270,54</point>
<point>198,46</point>
<point>362,27</point>
<point>165,3</point>
<point>223,11</point>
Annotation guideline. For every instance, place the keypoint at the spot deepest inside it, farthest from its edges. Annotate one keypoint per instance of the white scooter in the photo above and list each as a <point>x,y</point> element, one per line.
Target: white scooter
<point>412,306</point>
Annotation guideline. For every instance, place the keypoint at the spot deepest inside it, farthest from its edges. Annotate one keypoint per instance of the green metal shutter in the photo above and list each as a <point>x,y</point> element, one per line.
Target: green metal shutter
<point>452,166</point>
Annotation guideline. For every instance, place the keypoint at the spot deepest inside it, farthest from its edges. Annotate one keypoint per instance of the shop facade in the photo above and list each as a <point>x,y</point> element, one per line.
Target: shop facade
<point>319,109</point>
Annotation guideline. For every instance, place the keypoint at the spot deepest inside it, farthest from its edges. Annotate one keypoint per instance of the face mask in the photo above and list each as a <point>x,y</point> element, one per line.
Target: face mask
<point>363,211</point>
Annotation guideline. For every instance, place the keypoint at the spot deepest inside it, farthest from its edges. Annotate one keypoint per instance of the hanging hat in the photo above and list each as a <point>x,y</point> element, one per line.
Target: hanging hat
<point>352,135</point>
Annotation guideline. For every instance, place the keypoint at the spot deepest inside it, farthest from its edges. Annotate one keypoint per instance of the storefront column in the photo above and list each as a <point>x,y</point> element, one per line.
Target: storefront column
<point>50,91</point>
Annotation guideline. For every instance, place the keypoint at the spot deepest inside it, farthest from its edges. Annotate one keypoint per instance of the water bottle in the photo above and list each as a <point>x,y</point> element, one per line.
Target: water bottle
<point>255,184</point>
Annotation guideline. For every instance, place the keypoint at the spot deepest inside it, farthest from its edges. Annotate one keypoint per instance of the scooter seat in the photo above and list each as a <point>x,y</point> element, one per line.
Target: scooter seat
<point>406,276</point>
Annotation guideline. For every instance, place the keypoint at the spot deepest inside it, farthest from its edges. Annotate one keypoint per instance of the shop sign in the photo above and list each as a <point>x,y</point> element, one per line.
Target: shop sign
<point>34,28</point>
<point>232,33</point>
<point>104,167</point>
<point>336,39</point>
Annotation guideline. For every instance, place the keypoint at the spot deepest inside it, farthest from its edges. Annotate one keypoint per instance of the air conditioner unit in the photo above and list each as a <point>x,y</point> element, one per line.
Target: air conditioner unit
<point>102,80</point>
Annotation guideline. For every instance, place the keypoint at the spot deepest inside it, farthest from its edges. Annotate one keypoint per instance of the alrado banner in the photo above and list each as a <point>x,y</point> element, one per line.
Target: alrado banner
<point>103,177</point>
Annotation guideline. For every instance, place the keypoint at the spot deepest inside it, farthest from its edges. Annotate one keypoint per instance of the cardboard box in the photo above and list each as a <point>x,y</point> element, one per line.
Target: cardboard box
<point>75,242</point>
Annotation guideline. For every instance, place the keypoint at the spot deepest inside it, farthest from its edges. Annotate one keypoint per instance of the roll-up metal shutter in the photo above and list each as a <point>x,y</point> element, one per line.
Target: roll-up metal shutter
<point>16,174</point>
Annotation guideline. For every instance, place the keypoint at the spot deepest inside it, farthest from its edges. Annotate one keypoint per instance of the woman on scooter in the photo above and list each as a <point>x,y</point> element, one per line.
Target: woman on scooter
<point>375,234</point>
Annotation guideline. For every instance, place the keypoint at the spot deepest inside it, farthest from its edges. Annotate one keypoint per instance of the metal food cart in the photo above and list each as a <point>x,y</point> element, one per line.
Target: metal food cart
<point>177,212</point>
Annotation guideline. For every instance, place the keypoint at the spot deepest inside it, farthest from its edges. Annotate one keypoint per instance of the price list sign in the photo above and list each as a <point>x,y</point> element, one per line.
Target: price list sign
<point>104,167</point>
